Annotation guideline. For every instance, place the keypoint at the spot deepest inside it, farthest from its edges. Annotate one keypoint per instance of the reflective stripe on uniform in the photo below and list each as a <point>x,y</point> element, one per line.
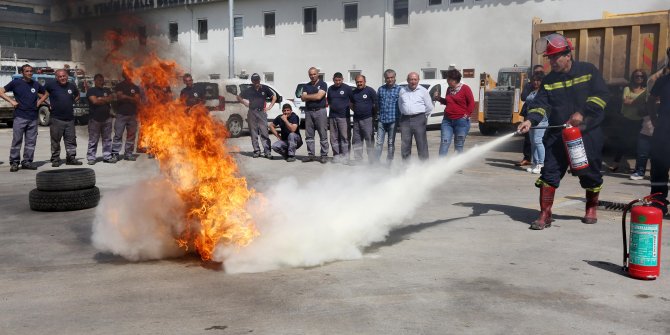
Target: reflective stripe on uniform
<point>540,111</point>
<point>567,83</point>
<point>595,189</point>
<point>597,101</point>
<point>541,183</point>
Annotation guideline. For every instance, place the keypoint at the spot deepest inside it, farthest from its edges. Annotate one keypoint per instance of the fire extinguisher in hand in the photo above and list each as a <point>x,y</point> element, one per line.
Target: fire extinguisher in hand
<point>643,259</point>
<point>574,146</point>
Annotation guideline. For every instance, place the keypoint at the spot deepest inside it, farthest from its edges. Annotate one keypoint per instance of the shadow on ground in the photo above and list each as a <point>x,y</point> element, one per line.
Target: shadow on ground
<point>401,234</point>
<point>519,214</point>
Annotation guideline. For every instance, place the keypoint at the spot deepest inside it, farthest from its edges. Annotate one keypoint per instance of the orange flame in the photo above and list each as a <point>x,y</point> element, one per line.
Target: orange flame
<point>190,148</point>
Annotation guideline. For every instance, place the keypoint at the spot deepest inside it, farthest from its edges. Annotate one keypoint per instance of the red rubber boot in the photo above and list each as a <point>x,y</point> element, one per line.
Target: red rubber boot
<point>546,201</point>
<point>591,207</point>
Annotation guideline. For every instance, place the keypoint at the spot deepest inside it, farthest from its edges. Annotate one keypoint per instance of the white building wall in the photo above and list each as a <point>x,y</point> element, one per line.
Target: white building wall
<point>480,34</point>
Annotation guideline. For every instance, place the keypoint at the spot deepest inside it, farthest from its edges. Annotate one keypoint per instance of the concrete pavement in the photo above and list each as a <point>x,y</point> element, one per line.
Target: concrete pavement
<point>466,263</point>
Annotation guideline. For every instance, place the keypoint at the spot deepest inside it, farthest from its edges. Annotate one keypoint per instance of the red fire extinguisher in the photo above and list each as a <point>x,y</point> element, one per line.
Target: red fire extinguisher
<point>574,146</point>
<point>643,260</point>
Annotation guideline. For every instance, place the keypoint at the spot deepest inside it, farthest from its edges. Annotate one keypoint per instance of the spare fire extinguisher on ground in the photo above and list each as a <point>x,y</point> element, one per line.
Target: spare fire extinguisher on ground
<point>643,260</point>
<point>574,146</point>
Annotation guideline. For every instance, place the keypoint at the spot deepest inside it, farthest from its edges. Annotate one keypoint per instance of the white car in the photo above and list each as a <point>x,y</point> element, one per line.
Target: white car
<point>235,113</point>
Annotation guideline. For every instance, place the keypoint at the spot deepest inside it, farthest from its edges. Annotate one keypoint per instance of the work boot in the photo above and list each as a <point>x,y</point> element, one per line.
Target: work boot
<point>72,161</point>
<point>55,163</point>
<point>14,167</point>
<point>591,206</point>
<point>546,201</point>
<point>28,166</point>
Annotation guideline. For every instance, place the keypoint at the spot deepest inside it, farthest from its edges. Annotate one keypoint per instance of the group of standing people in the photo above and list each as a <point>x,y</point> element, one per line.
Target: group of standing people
<point>389,108</point>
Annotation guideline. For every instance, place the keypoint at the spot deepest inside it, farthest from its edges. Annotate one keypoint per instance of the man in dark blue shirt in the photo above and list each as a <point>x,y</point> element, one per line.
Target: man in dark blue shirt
<point>28,94</point>
<point>289,136</point>
<point>100,121</point>
<point>364,104</point>
<point>660,140</point>
<point>255,97</point>
<point>189,94</point>
<point>316,117</point>
<point>62,96</point>
<point>128,97</point>
<point>339,97</point>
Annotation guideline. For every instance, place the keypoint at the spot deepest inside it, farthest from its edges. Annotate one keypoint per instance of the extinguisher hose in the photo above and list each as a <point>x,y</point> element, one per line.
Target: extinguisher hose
<point>623,230</point>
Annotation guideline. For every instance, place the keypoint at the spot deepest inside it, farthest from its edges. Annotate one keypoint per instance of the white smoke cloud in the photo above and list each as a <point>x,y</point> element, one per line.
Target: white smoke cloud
<point>331,218</point>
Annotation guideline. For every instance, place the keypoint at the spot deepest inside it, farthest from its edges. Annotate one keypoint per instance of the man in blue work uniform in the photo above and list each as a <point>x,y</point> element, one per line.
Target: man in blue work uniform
<point>573,93</point>
<point>316,117</point>
<point>660,140</point>
<point>28,95</point>
<point>62,96</point>
<point>289,136</point>
<point>389,113</point>
<point>255,97</point>
<point>338,96</point>
<point>364,105</point>
<point>100,120</point>
<point>128,98</point>
<point>189,94</point>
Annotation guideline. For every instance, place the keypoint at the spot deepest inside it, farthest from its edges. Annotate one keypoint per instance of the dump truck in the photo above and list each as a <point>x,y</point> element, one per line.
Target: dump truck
<point>500,101</point>
<point>617,44</point>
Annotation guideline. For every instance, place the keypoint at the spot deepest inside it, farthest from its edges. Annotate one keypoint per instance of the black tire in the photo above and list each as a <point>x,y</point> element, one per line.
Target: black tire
<point>235,125</point>
<point>65,179</point>
<point>64,201</point>
<point>487,130</point>
<point>44,116</point>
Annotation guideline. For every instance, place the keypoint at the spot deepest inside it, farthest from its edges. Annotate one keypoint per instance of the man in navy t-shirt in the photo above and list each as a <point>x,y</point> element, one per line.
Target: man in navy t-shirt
<point>128,97</point>
<point>289,136</point>
<point>255,97</point>
<point>339,96</point>
<point>189,94</point>
<point>62,96</point>
<point>316,117</point>
<point>100,121</point>
<point>28,94</point>
<point>364,105</point>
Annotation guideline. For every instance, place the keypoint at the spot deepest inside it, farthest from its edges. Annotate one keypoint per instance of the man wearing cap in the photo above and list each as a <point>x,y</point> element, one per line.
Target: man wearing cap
<point>255,97</point>
<point>62,96</point>
<point>573,93</point>
<point>28,94</point>
<point>338,98</point>
<point>316,118</point>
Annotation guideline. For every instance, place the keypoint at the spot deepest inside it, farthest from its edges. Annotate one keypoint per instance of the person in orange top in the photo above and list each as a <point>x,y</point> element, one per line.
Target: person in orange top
<point>456,122</point>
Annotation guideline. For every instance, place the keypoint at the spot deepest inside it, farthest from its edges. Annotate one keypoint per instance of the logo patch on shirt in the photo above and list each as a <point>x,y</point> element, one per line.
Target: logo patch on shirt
<point>195,94</point>
<point>32,90</point>
<point>105,94</point>
<point>341,92</point>
<point>365,96</point>
<point>263,93</point>
<point>132,91</point>
<point>69,91</point>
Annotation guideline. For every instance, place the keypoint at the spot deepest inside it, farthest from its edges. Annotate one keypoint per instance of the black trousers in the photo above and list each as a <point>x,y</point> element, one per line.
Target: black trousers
<point>556,160</point>
<point>64,130</point>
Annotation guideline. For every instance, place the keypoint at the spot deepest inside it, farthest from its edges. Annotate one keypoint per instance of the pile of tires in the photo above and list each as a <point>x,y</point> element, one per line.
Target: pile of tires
<point>64,190</point>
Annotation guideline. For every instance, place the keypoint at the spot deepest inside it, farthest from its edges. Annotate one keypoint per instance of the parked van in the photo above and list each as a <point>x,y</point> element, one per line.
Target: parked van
<point>235,113</point>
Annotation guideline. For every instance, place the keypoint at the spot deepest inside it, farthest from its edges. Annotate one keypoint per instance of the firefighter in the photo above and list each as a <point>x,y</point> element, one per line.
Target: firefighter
<point>573,93</point>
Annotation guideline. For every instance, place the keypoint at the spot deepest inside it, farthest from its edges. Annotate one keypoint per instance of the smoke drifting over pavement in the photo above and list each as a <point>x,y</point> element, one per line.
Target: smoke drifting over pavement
<point>331,218</point>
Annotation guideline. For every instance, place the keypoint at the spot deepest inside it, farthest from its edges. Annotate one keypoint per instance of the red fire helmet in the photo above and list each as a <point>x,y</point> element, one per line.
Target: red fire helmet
<point>553,44</point>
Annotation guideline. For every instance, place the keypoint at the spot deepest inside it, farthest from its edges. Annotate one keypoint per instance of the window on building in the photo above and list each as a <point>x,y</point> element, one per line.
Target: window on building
<point>202,29</point>
<point>238,26</point>
<point>322,76</point>
<point>88,40</point>
<point>174,32</point>
<point>27,38</point>
<point>400,12</point>
<point>269,77</point>
<point>142,35</point>
<point>309,20</point>
<point>353,74</point>
<point>350,15</point>
<point>429,73</point>
<point>269,23</point>
<point>434,2</point>
<point>456,1</point>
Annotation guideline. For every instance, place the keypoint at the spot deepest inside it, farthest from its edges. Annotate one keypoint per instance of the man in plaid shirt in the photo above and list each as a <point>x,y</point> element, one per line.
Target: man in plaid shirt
<point>388,114</point>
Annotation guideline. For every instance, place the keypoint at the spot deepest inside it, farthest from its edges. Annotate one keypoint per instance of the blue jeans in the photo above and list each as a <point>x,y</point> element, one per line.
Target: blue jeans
<point>458,129</point>
<point>536,145</point>
<point>382,130</point>
<point>643,151</point>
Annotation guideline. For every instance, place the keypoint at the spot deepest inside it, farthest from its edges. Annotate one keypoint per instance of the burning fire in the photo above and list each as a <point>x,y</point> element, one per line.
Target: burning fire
<point>190,148</point>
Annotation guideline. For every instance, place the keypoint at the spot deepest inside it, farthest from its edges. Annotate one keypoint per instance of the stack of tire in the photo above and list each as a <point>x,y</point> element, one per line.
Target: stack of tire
<point>64,190</point>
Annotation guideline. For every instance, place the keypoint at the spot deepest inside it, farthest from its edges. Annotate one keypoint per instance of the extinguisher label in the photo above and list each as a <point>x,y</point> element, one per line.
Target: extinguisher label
<point>643,244</point>
<point>577,153</point>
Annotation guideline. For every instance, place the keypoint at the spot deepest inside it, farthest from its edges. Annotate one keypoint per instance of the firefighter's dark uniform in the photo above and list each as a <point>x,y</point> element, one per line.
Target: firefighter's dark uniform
<point>582,90</point>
